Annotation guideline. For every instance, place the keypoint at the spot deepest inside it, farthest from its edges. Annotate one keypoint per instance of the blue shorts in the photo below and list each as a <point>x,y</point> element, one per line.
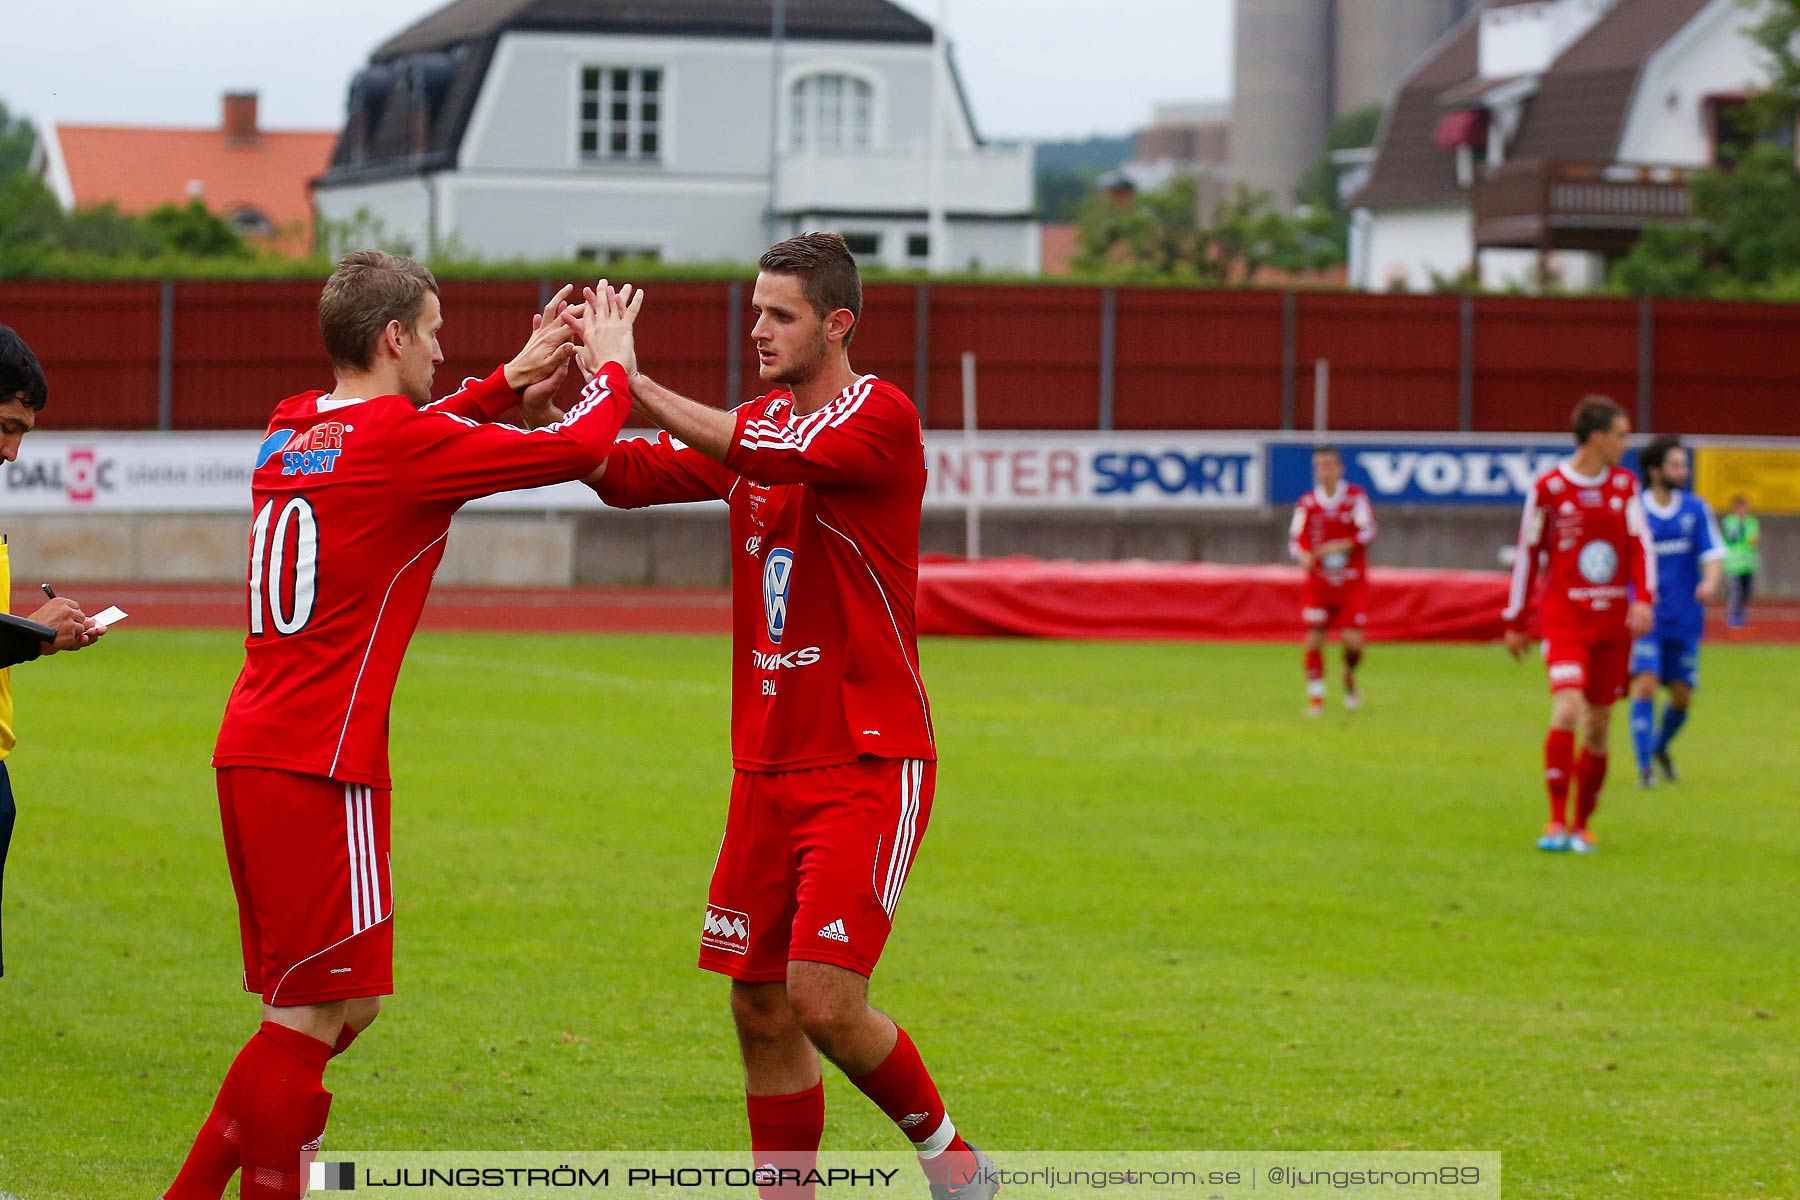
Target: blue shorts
<point>1671,660</point>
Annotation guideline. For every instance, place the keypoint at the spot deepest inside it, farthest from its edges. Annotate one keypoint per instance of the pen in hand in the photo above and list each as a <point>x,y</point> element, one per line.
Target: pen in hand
<point>48,590</point>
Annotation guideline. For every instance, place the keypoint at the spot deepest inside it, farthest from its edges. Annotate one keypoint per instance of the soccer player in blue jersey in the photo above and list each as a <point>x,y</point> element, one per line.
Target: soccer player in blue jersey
<point>1690,554</point>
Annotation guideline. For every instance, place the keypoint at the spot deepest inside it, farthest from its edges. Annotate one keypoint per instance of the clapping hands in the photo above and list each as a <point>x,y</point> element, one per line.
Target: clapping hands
<point>603,327</point>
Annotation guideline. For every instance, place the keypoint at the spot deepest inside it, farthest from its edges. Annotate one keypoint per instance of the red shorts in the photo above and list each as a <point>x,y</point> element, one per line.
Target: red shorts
<point>812,866</point>
<point>1323,606</point>
<point>1599,670</point>
<point>309,861</point>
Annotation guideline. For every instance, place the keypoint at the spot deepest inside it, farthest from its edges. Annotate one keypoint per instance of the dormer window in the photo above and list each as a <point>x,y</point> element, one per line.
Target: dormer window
<point>621,114</point>
<point>831,111</point>
<point>1733,128</point>
<point>247,220</point>
<point>1464,130</point>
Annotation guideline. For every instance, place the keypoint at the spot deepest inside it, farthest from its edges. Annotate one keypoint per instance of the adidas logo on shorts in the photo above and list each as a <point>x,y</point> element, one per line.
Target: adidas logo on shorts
<point>835,931</point>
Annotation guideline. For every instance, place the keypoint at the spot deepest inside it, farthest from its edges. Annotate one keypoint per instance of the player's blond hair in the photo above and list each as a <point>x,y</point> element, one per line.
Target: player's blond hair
<point>369,289</point>
<point>826,270</point>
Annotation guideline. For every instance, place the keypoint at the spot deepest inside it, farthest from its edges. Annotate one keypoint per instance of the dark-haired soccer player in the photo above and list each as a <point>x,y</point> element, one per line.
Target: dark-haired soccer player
<point>1329,537</point>
<point>353,491</point>
<point>1690,558</point>
<point>831,732</point>
<point>1584,524</point>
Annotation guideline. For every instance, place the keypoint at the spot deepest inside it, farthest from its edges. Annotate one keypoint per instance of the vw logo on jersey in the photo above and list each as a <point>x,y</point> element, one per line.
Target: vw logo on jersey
<point>1337,560</point>
<point>778,569</point>
<point>1599,562</point>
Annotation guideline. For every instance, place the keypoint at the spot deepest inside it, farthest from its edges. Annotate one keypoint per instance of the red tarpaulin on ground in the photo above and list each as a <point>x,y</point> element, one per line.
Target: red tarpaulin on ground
<point>1024,597</point>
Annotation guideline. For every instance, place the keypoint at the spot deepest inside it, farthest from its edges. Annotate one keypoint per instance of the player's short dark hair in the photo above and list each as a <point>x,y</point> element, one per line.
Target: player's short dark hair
<point>1595,414</point>
<point>21,375</point>
<point>369,289</point>
<point>1328,448</point>
<point>826,269</point>
<point>1652,457</point>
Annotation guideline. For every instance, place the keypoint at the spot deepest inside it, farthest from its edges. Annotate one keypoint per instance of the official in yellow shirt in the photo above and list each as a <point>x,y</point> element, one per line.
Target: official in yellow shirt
<point>23,393</point>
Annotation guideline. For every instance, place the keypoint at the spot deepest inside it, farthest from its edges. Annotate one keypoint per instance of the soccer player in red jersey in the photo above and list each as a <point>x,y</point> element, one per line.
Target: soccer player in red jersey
<point>353,491</point>
<point>831,731</point>
<point>1584,531</point>
<point>1329,537</point>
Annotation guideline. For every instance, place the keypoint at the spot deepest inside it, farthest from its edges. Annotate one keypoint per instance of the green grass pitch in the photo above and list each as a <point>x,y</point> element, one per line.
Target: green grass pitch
<point>1157,908</point>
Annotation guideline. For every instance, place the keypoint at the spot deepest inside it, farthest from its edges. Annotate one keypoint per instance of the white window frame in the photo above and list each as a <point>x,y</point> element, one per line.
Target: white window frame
<point>607,240</point>
<point>798,73</point>
<point>604,157</point>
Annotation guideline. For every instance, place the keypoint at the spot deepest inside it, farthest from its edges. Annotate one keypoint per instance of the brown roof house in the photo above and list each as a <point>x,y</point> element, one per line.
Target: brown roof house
<point>1539,138</point>
<point>255,178</point>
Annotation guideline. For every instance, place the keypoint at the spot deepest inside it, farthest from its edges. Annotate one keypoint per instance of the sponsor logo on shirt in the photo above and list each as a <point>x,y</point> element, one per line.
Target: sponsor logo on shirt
<point>793,658</point>
<point>317,452</point>
<point>778,570</point>
<point>1598,562</point>
<point>274,444</point>
<point>726,929</point>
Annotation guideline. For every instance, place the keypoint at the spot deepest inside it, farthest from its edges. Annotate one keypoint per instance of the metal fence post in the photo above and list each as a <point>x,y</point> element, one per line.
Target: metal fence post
<point>1109,329</point>
<point>1465,378</point>
<point>165,360</point>
<point>1646,397</point>
<point>1290,356</point>
<point>734,354</point>
<point>922,352</point>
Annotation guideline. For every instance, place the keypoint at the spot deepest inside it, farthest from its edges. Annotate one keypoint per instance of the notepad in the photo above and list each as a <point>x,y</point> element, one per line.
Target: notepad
<point>112,616</point>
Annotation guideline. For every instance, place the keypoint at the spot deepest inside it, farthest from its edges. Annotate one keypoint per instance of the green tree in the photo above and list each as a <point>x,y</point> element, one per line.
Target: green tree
<point>1319,187</point>
<point>1158,235</point>
<point>1745,239</point>
<point>17,141</point>
<point>191,229</point>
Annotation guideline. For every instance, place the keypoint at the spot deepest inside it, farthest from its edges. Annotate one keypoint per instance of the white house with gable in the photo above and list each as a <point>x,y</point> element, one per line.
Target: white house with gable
<point>611,129</point>
<point>1539,138</point>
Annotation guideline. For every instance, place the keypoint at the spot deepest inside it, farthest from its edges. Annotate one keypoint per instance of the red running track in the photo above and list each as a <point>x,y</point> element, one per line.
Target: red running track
<point>583,610</point>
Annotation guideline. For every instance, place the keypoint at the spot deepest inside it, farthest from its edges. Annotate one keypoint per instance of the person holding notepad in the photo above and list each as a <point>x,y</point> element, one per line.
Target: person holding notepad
<point>59,624</point>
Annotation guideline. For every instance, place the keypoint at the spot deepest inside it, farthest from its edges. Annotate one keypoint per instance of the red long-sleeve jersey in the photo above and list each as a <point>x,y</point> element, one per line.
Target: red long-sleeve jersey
<point>352,501</point>
<point>1587,537</point>
<point>1319,519</point>
<point>824,567</point>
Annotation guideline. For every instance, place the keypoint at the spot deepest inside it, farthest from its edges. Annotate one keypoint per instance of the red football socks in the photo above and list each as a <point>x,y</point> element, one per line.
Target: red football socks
<point>902,1088</point>
<point>213,1159</point>
<point>271,1106</point>
<point>784,1133</point>
<point>284,1106</point>
<point>1590,777</point>
<point>1315,665</point>
<point>1559,764</point>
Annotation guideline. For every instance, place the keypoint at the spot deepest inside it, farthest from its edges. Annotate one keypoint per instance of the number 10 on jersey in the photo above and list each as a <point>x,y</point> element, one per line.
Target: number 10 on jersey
<point>291,586</point>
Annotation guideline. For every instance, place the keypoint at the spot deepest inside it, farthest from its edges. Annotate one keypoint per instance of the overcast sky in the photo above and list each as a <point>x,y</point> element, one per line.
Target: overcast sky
<point>1069,68</point>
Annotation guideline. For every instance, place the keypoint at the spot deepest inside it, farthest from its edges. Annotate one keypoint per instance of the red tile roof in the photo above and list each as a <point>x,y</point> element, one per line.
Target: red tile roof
<point>139,168</point>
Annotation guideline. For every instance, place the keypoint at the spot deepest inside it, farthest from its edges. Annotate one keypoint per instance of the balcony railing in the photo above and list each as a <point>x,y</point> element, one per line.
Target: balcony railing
<point>991,180</point>
<point>1576,206</point>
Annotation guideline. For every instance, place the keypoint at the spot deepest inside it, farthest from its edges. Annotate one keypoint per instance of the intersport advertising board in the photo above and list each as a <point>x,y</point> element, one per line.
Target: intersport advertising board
<point>210,472</point>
